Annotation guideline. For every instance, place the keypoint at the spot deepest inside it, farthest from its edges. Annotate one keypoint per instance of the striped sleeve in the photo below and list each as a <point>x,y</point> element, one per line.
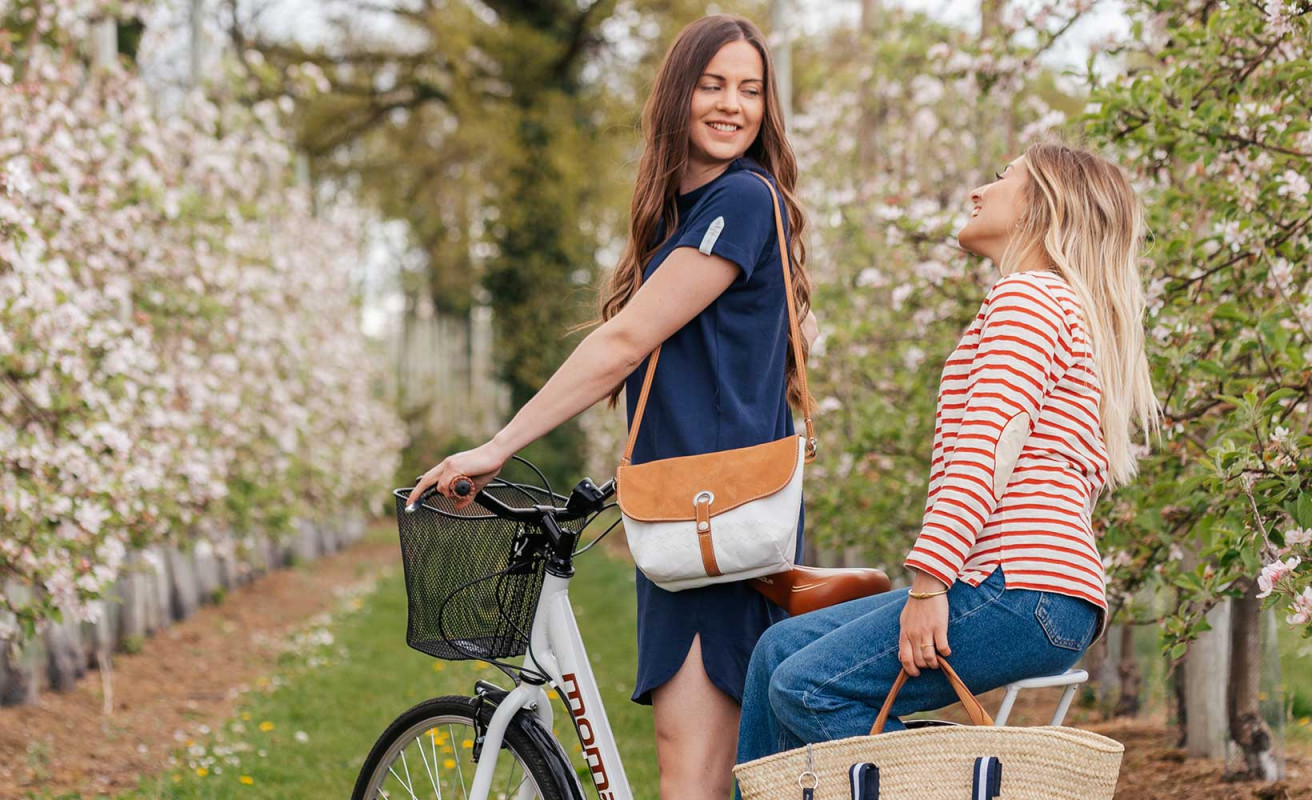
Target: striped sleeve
<point>1023,341</point>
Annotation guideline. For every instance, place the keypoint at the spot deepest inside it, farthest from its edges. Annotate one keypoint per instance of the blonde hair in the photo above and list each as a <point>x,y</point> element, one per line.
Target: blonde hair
<point>1084,219</point>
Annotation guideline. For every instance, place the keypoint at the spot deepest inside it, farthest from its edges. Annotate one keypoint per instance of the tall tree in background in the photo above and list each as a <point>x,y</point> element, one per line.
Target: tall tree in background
<point>503,132</point>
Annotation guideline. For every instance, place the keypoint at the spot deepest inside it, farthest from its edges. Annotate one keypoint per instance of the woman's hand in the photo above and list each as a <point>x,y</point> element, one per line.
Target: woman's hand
<point>479,465</point>
<point>924,635</point>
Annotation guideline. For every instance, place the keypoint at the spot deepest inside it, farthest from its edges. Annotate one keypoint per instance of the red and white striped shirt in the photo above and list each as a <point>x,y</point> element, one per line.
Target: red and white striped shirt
<point>1019,457</point>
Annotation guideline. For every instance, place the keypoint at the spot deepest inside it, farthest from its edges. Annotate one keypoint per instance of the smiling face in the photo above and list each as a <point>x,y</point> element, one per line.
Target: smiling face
<point>996,208</point>
<point>728,104</point>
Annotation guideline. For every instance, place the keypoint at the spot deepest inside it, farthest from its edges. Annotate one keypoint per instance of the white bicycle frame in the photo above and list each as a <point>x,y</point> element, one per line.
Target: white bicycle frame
<point>556,650</point>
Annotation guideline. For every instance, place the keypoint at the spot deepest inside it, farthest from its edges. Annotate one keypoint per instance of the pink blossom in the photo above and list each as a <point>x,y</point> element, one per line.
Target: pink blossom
<point>1302,608</point>
<point>1273,572</point>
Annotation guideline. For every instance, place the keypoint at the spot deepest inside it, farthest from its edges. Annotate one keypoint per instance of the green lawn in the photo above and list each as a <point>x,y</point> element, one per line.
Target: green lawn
<point>315,726</point>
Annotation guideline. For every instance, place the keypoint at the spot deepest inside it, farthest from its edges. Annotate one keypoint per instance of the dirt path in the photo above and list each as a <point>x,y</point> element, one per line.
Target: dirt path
<point>190,673</point>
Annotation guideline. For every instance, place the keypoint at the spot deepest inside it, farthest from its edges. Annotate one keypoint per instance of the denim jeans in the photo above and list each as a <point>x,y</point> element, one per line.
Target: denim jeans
<point>824,675</point>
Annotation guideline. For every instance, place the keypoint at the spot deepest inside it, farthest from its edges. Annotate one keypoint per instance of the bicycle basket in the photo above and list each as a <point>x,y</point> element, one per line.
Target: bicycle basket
<point>472,579</point>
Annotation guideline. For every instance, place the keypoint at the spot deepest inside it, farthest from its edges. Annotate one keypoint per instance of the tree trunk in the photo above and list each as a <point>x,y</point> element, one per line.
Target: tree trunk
<point>1181,707</point>
<point>1247,727</point>
<point>184,592</point>
<point>872,108</point>
<point>1095,659</point>
<point>1127,669</point>
<point>1205,687</point>
<point>20,679</point>
<point>66,657</point>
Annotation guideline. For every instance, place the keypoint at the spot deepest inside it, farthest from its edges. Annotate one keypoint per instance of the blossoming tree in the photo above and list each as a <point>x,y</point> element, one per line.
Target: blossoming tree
<point>178,356</point>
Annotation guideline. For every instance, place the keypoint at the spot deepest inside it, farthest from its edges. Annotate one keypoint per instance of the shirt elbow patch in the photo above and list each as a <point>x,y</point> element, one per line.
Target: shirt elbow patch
<point>1010,442</point>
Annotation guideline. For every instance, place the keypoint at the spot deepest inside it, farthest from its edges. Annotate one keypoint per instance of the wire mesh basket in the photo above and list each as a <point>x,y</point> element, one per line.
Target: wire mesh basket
<point>472,579</point>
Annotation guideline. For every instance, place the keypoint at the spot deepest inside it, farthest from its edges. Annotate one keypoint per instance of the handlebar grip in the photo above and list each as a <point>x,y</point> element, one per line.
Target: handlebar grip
<point>463,487</point>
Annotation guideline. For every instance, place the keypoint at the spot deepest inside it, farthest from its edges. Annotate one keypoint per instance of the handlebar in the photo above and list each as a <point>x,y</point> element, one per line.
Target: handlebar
<point>586,499</point>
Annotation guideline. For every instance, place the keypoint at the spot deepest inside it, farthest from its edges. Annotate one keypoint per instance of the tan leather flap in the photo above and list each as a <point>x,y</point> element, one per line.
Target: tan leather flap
<point>663,491</point>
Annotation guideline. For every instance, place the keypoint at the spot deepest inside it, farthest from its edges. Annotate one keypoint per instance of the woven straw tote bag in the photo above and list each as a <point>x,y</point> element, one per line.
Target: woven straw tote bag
<point>943,763</point>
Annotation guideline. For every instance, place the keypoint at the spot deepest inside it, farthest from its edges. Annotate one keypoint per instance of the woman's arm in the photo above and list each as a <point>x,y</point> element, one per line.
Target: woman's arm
<point>684,285</point>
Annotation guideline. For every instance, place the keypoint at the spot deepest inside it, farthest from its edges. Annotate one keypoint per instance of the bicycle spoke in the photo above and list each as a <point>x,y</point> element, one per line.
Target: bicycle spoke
<point>510,776</point>
<point>459,771</point>
<point>403,783</point>
<point>424,756</point>
<point>432,744</point>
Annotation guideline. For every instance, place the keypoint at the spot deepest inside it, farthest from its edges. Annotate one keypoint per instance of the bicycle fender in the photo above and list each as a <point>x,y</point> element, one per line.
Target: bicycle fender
<point>557,760</point>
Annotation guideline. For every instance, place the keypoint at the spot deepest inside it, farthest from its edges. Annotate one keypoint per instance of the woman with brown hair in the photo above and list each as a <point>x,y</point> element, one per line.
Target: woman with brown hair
<point>701,278</point>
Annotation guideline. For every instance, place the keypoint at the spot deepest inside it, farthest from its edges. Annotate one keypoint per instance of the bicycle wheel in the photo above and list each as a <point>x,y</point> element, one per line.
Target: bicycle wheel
<point>428,752</point>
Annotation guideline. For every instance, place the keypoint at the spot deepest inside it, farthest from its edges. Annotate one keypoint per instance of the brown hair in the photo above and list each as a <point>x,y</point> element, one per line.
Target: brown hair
<point>1083,217</point>
<point>665,124</point>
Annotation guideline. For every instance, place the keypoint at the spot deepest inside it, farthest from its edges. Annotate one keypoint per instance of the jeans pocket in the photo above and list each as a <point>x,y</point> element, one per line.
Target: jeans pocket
<point>1067,621</point>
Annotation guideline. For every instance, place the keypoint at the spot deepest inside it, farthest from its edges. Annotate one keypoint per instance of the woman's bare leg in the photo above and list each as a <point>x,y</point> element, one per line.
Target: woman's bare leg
<point>696,733</point>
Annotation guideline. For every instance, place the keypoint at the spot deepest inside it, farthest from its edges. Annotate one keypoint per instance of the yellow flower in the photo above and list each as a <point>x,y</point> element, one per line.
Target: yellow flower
<point>1305,720</point>
<point>246,716</point>
<point>201,772</point>
<point>438,666</point>
<point>446,748</point>
<point>191,742</point>
<point>246,779</point>
<point>449,763</point>
<point>266,726</point>
<point>468,744</point>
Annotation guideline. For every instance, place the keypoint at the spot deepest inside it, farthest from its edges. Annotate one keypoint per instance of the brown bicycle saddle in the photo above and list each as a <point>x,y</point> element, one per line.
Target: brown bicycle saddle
<point>804,589</point>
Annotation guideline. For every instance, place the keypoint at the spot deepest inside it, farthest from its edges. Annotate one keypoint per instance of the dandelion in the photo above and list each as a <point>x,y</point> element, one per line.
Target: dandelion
<point>246,779</point>
<point>438,666</point>
<point>468,744</point>
<point>450,763</point>
<point>201,772</point>
<point>266,726</point>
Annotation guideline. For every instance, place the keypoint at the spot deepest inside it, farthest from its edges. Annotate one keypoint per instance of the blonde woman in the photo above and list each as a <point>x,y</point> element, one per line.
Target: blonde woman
<point>1034,419</point>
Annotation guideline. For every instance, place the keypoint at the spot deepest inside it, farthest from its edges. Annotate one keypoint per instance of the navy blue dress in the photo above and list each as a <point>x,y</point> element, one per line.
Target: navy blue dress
<point>720,384</point>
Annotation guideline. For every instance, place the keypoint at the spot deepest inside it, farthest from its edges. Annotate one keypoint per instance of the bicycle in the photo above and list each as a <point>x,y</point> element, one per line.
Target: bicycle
<point>509,597</point>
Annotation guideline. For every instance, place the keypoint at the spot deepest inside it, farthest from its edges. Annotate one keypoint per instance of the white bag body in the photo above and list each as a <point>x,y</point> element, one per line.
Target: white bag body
<point>754,539</point>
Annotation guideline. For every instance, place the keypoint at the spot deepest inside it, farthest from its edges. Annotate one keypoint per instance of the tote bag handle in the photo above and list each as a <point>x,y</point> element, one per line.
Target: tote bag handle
<point>976,712</point>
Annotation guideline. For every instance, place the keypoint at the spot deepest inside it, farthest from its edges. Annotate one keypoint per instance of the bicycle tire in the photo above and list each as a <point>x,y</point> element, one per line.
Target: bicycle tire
<point>525,739</point>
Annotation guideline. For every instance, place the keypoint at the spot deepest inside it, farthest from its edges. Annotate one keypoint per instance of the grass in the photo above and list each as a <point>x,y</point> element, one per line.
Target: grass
<point>305,732</point>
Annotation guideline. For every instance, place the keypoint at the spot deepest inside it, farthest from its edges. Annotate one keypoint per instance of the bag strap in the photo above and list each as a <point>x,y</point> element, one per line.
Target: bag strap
<point>794,333</point>
<point>976,712</point>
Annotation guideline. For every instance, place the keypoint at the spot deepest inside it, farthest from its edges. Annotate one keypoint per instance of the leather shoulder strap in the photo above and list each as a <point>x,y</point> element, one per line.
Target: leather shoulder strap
<point>795,337</point>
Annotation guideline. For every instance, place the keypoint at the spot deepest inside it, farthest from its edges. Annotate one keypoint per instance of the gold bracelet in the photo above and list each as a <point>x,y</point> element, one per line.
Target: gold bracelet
<point>925,595</point>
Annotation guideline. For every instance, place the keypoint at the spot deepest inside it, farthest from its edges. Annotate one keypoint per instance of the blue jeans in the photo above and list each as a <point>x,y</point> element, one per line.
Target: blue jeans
<point>824,675</point>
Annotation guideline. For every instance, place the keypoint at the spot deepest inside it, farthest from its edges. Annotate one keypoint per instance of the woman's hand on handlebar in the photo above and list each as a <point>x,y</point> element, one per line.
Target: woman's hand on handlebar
<point>479,465</point>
